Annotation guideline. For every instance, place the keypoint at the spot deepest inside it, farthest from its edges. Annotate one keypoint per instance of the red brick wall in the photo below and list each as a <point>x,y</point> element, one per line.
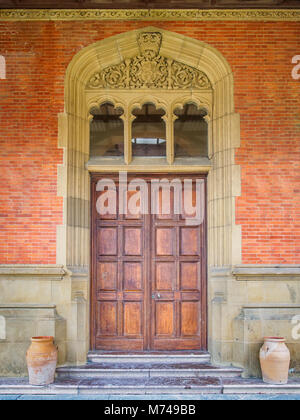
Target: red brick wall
<point>267,98</point>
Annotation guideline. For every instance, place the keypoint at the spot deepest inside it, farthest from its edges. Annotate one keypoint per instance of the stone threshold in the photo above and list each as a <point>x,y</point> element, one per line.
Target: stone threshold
<point>154,386</point>
<point>180,356</point>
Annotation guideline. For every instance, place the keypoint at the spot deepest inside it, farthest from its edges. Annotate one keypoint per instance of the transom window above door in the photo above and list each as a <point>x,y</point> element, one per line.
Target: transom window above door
<point>148,132</point>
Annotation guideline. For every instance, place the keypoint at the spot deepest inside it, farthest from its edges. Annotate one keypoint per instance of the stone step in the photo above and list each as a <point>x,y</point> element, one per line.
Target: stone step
<point>149,357</point>
<point>148,370</point>
<point>115,386</point>
<point>122,387</point>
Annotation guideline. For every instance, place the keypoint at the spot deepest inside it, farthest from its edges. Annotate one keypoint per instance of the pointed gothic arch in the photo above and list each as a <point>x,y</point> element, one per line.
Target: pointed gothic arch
<point>224,236</point>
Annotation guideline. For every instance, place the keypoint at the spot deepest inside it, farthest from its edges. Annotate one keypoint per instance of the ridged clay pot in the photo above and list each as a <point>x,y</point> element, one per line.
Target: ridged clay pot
<point>42,361</point>
<point>275,361</point>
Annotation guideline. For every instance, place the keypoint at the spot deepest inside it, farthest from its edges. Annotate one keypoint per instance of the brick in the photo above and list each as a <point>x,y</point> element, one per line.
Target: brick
<point>266,97</point>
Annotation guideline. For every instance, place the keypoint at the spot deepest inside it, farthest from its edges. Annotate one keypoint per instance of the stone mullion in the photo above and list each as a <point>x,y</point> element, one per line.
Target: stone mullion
<point>127,118</point>
<point>169,121</point>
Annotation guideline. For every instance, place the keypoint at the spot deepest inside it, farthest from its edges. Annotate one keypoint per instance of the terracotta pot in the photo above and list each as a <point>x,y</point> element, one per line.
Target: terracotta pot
<point>41,361</point>
<point>275,361</point>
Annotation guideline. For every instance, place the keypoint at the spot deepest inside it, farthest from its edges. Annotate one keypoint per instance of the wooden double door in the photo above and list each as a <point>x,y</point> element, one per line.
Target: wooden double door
<point>148,273</point>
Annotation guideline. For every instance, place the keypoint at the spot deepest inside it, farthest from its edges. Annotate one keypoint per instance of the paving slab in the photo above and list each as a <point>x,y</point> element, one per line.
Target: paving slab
<point>167,397</point>
<point>140,386</point>
<point>257,386</point>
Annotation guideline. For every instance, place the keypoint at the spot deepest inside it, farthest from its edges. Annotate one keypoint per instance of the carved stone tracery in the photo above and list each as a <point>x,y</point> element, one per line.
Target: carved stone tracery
<point>150,70</point>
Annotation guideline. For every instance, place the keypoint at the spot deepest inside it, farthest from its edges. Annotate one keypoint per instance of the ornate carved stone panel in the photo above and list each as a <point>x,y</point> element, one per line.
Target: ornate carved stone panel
<point>149,70</point>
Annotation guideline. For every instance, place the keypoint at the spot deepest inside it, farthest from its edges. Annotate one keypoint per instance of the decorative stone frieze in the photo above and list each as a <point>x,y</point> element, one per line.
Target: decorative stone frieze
<point>150,70</point>
<point>152,14</point>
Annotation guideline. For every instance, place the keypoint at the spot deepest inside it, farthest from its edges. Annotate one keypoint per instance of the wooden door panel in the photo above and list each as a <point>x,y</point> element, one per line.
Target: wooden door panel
<point>133,205</point>
<point>107,319</point>
<point>189,203</point>
<point>107,276</point>
<point>164,319</point>
<point>189,316</point>
<point>165,274</point>
<point>133,238</point>
<point>165,241</point>
<point>165,205</point>
<point>149,277</point>
<point>190,275</point>
<point>108,241</point>
<point>133,315</point>
<point>102,204</point>
<point>189,241</point>
<point>132,276</point>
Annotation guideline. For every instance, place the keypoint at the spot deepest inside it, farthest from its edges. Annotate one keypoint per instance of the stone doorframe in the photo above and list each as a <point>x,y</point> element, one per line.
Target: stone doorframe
<point>224,180</point>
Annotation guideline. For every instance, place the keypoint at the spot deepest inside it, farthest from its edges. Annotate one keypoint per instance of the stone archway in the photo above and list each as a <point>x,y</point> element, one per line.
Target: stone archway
<point>224,236</point>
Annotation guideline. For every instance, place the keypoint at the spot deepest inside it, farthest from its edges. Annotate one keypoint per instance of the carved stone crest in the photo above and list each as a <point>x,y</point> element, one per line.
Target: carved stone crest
<point>150,70</point>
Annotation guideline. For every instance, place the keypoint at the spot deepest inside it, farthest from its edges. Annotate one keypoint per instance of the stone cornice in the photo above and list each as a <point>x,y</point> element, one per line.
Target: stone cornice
<point>26,306</point>
<point>267,272</point>
<point>151,14</point>
<point>271,306</point>
<point>32,272</point>
<point>255,272</point>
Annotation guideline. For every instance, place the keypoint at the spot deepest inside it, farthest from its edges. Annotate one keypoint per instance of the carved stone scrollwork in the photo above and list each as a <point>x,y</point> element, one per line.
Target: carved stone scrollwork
<point>150,70</point>
<point>185,15</point>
